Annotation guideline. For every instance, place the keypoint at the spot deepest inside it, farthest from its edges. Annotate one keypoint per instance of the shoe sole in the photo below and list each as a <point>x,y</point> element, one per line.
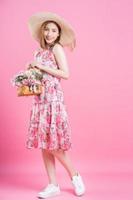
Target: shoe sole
<point>48,196</point>
<point>80,194</point>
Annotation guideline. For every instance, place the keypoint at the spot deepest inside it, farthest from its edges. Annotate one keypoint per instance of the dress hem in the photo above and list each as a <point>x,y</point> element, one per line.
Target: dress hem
<point>66,149</point>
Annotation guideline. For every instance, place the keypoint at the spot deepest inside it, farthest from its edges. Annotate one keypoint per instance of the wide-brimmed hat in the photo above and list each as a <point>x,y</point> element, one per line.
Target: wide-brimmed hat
<point>67,37</point>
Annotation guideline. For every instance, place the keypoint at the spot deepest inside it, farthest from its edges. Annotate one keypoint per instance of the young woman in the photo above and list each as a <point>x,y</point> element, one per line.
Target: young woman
<point>49,127</point>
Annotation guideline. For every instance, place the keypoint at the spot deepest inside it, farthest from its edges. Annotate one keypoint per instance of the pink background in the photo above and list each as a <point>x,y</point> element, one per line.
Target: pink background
<point>98,95</point>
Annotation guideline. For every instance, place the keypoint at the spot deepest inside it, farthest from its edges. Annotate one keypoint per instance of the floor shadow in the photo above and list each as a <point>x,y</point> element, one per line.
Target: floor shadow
<point>67,190</point>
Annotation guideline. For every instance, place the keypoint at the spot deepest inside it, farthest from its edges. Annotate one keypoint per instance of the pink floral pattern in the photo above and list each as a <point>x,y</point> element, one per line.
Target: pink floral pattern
<point>49,125</point>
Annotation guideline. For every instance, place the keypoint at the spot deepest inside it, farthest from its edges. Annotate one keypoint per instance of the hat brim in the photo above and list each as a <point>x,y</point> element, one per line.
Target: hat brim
<point>67,37</point>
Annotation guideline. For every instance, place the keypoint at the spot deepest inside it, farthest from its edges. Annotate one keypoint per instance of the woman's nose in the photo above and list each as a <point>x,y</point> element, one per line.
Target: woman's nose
<point>49,33</point>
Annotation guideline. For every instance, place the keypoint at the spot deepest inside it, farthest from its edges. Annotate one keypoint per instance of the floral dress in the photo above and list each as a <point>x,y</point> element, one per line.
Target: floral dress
<point>49,125</point>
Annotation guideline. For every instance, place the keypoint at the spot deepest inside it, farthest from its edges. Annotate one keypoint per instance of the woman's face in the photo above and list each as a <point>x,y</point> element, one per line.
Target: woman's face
<point>51,33</point>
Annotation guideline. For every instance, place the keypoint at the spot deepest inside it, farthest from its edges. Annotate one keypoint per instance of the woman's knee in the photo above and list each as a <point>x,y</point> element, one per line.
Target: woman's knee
<point>57,151</point>
<point>46,151</point>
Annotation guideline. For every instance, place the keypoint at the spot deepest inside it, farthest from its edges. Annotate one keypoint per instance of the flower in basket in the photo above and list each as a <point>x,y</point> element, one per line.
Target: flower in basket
<point>28,77</point>
<point>28,82</point>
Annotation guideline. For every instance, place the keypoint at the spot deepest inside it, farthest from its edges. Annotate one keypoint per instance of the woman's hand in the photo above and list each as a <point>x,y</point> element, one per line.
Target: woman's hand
<point>32,65</point>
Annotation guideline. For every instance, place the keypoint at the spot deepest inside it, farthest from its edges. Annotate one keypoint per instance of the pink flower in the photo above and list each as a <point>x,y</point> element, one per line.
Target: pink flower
<point>57,108</point>
<point>58,119</point>
<point>48,118</point>
<point>35,143</point>
<point>51,90</point>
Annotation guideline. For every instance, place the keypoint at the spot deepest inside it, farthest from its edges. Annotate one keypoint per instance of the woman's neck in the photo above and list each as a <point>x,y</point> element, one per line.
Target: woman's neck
<point>49,46</point>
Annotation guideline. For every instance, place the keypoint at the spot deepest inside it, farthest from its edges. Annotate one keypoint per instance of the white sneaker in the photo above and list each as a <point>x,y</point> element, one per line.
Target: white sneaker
<point>78,184</point>
<point>49,191</point>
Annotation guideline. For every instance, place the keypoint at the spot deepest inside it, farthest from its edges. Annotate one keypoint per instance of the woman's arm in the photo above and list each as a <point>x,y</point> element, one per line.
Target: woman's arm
<point>60,57</point>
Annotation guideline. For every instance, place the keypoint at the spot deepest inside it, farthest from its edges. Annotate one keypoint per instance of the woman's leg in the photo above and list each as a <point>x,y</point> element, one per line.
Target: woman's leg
<point>49,161</point>
<point>65,160</point>
<point>62,156</point>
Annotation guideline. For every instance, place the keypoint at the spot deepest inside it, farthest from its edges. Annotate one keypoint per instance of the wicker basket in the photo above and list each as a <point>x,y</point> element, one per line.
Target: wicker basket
<point>29,90</point>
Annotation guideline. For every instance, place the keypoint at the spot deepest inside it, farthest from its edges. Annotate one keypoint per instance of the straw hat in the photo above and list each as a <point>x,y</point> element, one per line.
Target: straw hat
<point>67,37</point>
